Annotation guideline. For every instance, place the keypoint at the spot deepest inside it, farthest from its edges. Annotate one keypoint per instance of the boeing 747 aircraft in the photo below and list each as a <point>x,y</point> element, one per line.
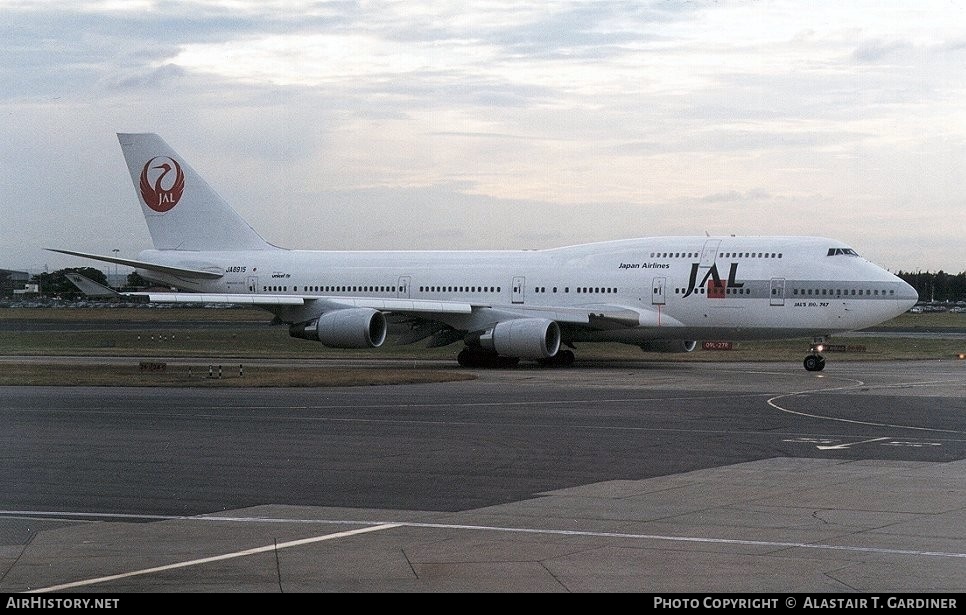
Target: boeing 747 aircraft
<point>658,293</point>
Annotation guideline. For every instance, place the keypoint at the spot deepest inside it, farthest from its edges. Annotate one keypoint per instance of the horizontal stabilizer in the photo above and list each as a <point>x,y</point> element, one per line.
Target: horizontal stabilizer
<point>180,271</point>
<point>89,287</point>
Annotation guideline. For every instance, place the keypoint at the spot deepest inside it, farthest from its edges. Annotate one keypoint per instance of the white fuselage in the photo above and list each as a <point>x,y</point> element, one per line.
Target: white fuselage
<point>674,288</point>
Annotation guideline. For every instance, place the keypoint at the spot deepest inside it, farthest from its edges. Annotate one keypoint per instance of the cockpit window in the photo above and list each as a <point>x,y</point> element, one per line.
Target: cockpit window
<point>842,252</point>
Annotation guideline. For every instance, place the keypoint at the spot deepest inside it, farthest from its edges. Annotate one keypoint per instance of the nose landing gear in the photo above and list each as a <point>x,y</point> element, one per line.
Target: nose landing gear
<point>815,362</point>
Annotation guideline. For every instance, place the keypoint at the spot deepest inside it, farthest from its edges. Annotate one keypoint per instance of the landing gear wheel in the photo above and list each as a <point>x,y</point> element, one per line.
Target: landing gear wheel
<point>564,358</point>
<point>469,357</point>
<point>814,363</point>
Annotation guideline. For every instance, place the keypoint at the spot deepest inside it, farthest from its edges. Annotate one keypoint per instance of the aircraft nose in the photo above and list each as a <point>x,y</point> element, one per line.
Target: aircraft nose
<point>906,295</point>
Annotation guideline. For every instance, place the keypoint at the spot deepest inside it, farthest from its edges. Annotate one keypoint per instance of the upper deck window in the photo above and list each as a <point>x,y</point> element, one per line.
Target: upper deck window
<point>842,251</point>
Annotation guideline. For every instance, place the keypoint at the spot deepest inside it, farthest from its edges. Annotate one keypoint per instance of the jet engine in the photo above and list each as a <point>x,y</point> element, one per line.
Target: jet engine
<point>348,328</point>
<point>524,338</point>
<point>669,346</point>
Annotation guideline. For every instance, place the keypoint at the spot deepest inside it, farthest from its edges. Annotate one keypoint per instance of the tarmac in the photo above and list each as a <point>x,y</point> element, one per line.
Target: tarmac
<point>673,478</point>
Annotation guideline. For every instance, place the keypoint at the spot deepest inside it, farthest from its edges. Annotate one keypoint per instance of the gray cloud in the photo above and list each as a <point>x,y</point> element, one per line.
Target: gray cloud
<point>878,51</point>
<point>578,122</point>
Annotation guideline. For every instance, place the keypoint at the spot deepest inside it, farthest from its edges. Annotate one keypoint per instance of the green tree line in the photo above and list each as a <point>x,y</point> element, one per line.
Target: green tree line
<point>939,286</point>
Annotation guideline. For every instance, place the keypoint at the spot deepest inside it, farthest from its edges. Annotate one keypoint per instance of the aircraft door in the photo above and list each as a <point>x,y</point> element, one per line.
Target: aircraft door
<point>709,252</point>
<point>777,294</point>
<point>657,291</point>
<point>402,289</point>
<point>251,283</point>
<point>518,289</point>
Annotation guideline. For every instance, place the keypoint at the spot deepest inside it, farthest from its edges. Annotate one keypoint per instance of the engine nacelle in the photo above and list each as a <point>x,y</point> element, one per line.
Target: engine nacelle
<point>524,338</point>
<point>669,346</point>
<point>348,328</point>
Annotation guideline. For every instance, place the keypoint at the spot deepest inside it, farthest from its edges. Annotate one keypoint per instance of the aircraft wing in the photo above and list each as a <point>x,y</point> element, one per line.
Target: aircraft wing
<point>398,306</point>
<point>404,306</point>
<point>239,299</point>
<point>597,317</point>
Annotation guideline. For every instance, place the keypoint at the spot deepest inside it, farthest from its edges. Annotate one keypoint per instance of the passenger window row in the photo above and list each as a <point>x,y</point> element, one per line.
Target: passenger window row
<point>460,289</point>
<point>842,292</point>
<point>331,289</point>
<point>720,254</point>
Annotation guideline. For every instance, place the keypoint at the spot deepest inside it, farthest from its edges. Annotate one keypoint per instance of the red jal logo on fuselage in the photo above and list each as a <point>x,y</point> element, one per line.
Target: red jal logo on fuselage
<point>155,195</point>
<point>716,286</point>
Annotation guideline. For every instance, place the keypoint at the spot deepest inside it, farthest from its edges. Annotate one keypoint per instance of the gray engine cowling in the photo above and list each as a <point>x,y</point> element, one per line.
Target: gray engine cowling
<point>669,346</point>
<point>524,338</point>
<point>349,328</point>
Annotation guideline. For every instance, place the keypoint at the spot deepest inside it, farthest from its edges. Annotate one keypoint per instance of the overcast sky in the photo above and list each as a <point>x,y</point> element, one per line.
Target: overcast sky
<point>452,125</point>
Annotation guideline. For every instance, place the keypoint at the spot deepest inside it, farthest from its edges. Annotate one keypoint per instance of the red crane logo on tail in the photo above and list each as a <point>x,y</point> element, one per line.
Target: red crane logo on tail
<point>155,195</point>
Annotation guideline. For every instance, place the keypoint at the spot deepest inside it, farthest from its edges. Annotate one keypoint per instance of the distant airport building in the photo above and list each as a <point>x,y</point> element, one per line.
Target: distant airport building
<point>12,282</point>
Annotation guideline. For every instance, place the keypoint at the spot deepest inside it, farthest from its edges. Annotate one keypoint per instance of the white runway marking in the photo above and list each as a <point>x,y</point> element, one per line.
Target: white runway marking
<point>858,383</point>
<point>216,558</point>
<point>827,447</point>
<point>375,526</point>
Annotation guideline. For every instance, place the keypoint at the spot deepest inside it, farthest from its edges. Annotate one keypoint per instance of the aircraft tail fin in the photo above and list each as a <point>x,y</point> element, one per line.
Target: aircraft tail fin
<point>181,210</point>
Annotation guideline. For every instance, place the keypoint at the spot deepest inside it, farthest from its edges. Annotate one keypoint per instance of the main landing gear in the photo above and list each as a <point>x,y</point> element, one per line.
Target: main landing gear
<point>815,362</point>
<point>478,357</point>
<point>564,358</point>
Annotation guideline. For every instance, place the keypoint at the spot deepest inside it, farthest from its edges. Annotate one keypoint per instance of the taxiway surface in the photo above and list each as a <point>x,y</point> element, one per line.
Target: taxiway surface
<point>661,477</point>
